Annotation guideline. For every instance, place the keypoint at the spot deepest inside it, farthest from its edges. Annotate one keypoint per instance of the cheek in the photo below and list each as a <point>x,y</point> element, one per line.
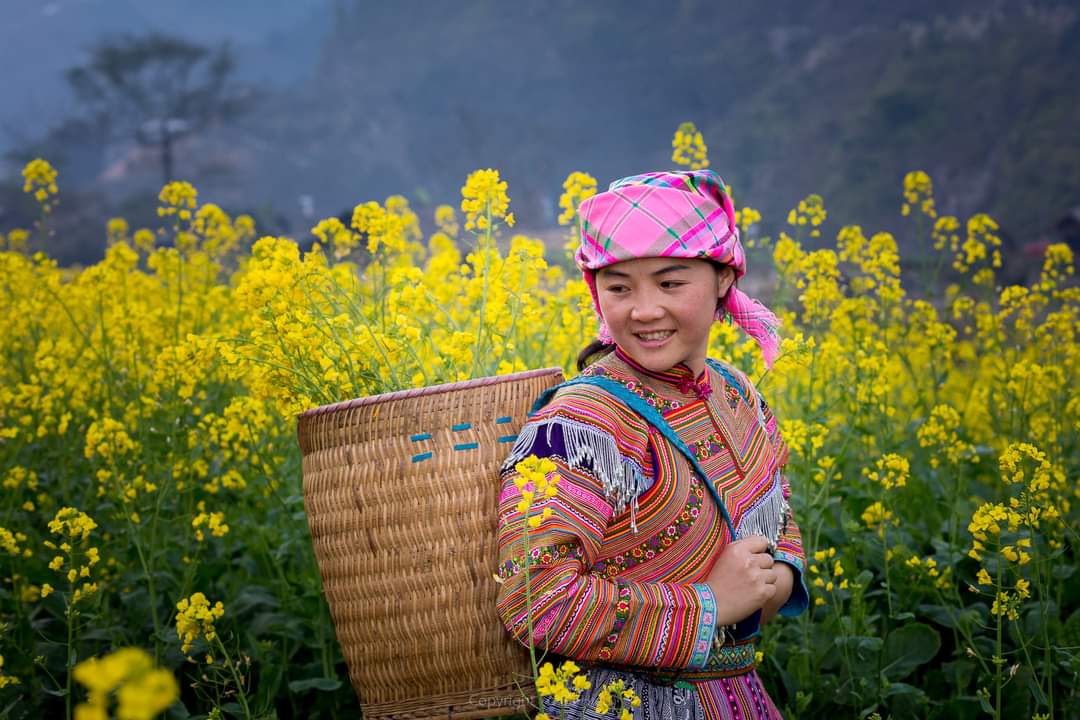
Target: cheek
<point>605,304</point>
<point>702,308</point>
<point>610,308</point>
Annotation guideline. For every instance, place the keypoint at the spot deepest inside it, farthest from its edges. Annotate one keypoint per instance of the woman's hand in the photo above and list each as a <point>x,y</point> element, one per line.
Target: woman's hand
<point>743,579</point>
<point>785,582</point>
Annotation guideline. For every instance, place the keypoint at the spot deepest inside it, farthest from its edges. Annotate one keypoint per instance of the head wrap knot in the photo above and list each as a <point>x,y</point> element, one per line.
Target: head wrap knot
<point>682,214</point>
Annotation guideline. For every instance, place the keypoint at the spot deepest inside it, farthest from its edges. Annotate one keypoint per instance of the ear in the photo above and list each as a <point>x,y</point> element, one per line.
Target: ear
<point>725,277</point>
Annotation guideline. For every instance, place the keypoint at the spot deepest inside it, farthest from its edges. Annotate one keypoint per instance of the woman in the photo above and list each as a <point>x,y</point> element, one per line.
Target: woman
<point>670,539</point>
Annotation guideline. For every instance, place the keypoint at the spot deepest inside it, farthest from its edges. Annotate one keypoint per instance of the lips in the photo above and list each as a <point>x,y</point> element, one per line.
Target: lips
<point>654,338</point>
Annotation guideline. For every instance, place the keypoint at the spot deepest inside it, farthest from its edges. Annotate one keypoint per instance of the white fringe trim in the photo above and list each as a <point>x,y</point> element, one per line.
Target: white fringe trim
<point>622,479</point>
<point>769,517</point>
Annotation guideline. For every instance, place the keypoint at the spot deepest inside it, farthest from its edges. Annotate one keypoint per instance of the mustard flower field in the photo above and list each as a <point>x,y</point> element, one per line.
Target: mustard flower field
<point>156,555</point>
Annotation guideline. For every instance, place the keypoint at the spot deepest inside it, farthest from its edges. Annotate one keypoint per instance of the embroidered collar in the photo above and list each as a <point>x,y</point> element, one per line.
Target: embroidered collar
<point>681,376</point>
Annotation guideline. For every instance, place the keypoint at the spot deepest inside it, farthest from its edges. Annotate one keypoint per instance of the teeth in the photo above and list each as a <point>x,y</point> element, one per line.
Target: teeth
<point>659,335</point>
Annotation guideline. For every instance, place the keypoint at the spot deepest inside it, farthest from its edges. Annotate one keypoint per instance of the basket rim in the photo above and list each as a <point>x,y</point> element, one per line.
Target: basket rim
<point>428,390</point>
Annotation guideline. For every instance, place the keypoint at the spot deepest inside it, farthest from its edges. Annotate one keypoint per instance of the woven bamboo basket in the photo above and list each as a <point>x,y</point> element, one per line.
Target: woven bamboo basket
<point>401,496</point>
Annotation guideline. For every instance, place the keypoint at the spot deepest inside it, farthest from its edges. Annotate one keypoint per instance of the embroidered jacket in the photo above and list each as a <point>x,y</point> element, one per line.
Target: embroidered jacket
<point>617,569</point>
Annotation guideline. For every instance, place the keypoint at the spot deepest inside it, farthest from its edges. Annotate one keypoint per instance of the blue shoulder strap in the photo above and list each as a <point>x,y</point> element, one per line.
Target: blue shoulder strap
<point>729,377</point>
<point>652,416</point>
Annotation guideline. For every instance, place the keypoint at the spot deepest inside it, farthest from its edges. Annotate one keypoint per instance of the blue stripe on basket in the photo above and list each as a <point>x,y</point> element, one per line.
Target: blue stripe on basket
<point>503,420</point>
<point>420,436</point>
<point>466,446</point>
<point>508,438</point>
<point>461,426</point>
<point>421,456</point>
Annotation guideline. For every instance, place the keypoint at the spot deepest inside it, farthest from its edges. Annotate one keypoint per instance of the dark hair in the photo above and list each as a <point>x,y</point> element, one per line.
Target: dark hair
<point>596,349</point>
<point>591,353</point>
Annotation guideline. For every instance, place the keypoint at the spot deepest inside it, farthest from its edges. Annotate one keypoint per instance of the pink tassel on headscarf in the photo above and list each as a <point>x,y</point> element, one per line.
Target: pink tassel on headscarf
<point>757,321</point>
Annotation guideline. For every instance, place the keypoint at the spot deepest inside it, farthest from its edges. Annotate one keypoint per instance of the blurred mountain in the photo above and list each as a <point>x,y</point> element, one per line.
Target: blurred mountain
<point>838,97</point>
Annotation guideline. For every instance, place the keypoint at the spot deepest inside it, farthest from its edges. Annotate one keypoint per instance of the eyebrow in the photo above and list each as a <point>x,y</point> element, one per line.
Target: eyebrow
<point>661,271</point>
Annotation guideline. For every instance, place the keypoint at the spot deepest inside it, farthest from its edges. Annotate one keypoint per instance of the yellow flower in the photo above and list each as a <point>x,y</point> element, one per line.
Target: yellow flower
<point>483,199</point>
<point>215,522</point>
<point>688,147</point>
<point>877,516</point>
<point>333,233</point>
<point>142,690</point>
<point>446,220</point>
<point>145,696</point>
<point>918,190</point>
<point>177,198</point>
<point>39,180</point>
<point>577,188</point>
<point>810,211</point>
<point>891,471</point>
<point>983,577</point>
<point>1006,605</point>
<point>6,679</point>
<point>72,523</point>
<point>196,618</point>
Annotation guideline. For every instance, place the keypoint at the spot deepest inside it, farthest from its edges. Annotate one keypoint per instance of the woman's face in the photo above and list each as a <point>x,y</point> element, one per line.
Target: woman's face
<point>660,310</point>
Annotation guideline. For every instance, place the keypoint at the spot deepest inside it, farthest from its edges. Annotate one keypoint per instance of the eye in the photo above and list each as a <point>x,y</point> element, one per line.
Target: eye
<point>616,289</point>
<point>671,284</point>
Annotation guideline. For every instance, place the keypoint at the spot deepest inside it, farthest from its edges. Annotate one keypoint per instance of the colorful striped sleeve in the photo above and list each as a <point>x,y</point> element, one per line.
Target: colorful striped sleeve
<point>789,547</point>
<point>601,452</point>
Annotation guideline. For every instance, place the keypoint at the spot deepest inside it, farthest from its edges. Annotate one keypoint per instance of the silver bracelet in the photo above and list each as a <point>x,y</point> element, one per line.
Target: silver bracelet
<point>722,635</point>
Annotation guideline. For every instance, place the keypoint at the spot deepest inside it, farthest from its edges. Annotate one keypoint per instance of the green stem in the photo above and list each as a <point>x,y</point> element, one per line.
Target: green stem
<point>149,586</point>
<point>240,694</point>
<point>528,604</point>
<point>998,659</point>
<point>885,549</point>
<point>484,243</point>
<point>67,658</point>
<point>333,334</point>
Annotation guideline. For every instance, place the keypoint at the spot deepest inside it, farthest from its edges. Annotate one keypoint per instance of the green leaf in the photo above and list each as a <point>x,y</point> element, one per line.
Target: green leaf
<point>1027,677</point>
<point>897,689</point>
<point>958,673</point>
<point>324,684</point>
<point>1062,571</point>
<point>959,708</point>
<point>905,701</point>
<point>178,711</point>
<point>944,615</point>
<point>908,647</point>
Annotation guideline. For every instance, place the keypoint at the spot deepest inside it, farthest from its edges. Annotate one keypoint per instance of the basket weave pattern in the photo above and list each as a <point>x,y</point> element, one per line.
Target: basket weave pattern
<point>401,497</point>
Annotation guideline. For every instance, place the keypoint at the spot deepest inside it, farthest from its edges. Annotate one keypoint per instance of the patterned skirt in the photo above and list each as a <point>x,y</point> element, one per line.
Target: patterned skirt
<point>735,698</point>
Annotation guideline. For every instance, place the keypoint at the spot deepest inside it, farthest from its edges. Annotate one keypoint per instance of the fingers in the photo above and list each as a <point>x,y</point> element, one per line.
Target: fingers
<point>755,543</point>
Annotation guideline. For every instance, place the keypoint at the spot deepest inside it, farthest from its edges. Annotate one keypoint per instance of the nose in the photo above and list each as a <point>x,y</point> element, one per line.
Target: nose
<point>647,308</point>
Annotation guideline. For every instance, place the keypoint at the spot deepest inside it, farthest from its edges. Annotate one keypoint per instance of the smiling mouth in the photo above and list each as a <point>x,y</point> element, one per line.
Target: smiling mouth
<point>654,336</point>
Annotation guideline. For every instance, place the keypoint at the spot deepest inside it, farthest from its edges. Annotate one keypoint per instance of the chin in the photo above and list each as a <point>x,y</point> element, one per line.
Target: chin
<point>655,360</point>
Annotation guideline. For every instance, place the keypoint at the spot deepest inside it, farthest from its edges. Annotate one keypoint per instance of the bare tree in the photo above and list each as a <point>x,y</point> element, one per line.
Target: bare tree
<point>157,88</point>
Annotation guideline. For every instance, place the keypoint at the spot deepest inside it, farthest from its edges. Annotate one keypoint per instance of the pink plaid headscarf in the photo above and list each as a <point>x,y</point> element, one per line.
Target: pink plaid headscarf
<point>685,214</point>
